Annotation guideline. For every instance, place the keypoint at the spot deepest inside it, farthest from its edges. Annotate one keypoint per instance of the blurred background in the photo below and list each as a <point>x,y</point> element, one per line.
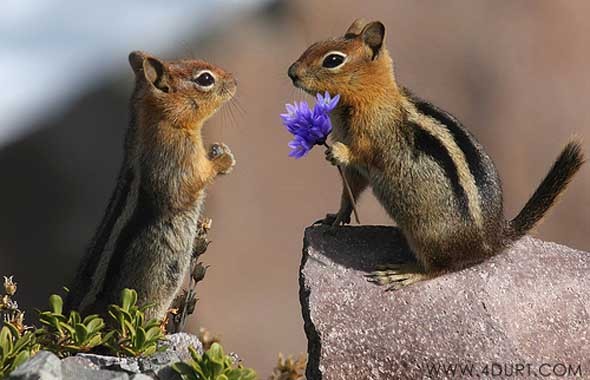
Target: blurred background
<point>516,74</point>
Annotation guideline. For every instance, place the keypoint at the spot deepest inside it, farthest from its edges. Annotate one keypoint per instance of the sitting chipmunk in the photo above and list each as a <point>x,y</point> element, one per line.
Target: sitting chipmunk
<point>146,237</point>
<point>428,172</point>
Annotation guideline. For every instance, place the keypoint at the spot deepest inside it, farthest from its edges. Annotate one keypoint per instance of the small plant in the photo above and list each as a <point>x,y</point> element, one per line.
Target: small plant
<point>17,341</point>
<point>213,365</point>
<point>66,335</point>
<point>185,302</point>
<point>128,334</point>
<point>131,334</point>
<point>15,348</point>
<point>289,368</point>
<point>9,311</point>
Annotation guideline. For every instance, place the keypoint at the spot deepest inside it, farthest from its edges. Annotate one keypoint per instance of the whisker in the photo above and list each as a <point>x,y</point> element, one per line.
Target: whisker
<point>236,102</point>
<point>238,114</point>
<point>227,111</point>
<point>231,115</point>
<point>223,122</point>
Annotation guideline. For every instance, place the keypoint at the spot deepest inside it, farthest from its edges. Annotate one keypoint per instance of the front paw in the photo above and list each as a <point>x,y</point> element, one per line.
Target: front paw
<point>335,220</point>
<point>222,158</point>
<point>338,154</point>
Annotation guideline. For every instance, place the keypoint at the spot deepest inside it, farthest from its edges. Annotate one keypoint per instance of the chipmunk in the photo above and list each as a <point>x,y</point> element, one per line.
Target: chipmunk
<point>147,234</point>
<point>428,172</point>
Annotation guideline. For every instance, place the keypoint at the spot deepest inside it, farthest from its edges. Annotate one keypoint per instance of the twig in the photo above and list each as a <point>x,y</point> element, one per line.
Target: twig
<point>189,293</point>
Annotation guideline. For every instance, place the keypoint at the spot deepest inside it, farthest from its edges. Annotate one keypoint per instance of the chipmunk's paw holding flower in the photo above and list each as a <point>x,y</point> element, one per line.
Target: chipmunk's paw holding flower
<point>338,154</point>
<point>308,126</point>
<point>222,158</point>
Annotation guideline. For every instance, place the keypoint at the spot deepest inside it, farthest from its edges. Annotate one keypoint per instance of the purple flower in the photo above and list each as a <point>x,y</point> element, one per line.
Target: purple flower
<point>309,127</point>
<point>325,103</point>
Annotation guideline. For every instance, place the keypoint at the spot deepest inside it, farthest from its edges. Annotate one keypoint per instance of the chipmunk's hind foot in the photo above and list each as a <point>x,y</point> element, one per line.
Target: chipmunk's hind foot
<point>397,275</point>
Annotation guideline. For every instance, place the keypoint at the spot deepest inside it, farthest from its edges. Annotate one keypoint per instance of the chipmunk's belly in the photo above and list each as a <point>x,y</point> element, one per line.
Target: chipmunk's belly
<point>156,259</point>
<point>417,202</point>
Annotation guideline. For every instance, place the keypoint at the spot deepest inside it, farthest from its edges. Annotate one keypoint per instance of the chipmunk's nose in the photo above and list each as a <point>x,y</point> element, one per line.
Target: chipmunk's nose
<point>293,72</point>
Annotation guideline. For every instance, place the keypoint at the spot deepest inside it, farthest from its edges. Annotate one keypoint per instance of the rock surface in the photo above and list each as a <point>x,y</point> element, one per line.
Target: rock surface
<point>74,370</point>
<point>529,307</point>
<point>47,366</point>
<point>157,365</point>
<point>43,366</point>
<point>180,342</point>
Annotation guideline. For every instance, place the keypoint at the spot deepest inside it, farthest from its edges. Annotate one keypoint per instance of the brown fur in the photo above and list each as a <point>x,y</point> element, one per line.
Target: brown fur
<point>421,169</point>
<point>147,244</point>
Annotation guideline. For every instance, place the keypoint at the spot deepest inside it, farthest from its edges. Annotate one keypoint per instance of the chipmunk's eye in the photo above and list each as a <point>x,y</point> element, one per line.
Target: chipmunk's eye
<point>333,60</point>
<point>205,79</point>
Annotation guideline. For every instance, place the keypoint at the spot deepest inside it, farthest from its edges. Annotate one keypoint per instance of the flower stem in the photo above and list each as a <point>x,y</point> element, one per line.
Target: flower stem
<point>348,190</point>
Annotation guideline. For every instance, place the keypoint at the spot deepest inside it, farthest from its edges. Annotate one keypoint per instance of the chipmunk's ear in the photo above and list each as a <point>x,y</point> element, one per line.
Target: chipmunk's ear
<point>373,35</point>
<point>356,28</point>
<point>136,59</point>
<point>151,69</point>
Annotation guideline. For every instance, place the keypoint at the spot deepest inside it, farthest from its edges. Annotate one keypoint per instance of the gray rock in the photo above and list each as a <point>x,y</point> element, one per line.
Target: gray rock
<point>47,366</point>
<point>180,342</point>
<point>78,369</point>
<point>157,364</point>
<point>43,366</point>
<point>529,307</point>
<point>111,362</point>
<point>140,376</point>
<point>80,361</point>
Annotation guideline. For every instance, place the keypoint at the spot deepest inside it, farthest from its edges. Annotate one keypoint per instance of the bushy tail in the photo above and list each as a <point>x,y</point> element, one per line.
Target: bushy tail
<point>567,164</point>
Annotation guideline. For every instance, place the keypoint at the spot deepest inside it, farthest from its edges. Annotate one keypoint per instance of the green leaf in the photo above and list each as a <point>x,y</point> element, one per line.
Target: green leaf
<point>48,319</point>
<point>149,350</point>
<point>154,333</point>
<point>71,348</point>
<point>129,351</point>
<point>129,326</point>
<point>108,336</point>
<point>56,303</point>
<point>124,315</point>
<point>20,359</point>
<point>248,374</point>
<point>240,374</point>
<point>216,353</point>
<point>152,323</point>
<point>81,333</point>
<point>5,341</point>
<point>140,337</point>
<point>91,317</point>
<point>128,298</point>
<point>94,325</point>
<point>71,330</point>
<point>13,330</point>
<point>23,342</point>
<point>185,371</point>
<point>215,368</point>
<point>94,341</point>
<point>74,318</point>
<point>194,354</point>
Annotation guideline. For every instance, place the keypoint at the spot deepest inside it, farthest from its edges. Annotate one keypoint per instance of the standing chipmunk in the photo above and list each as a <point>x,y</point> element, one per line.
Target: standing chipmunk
<point>147,235</point>
<point>428,172</point>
